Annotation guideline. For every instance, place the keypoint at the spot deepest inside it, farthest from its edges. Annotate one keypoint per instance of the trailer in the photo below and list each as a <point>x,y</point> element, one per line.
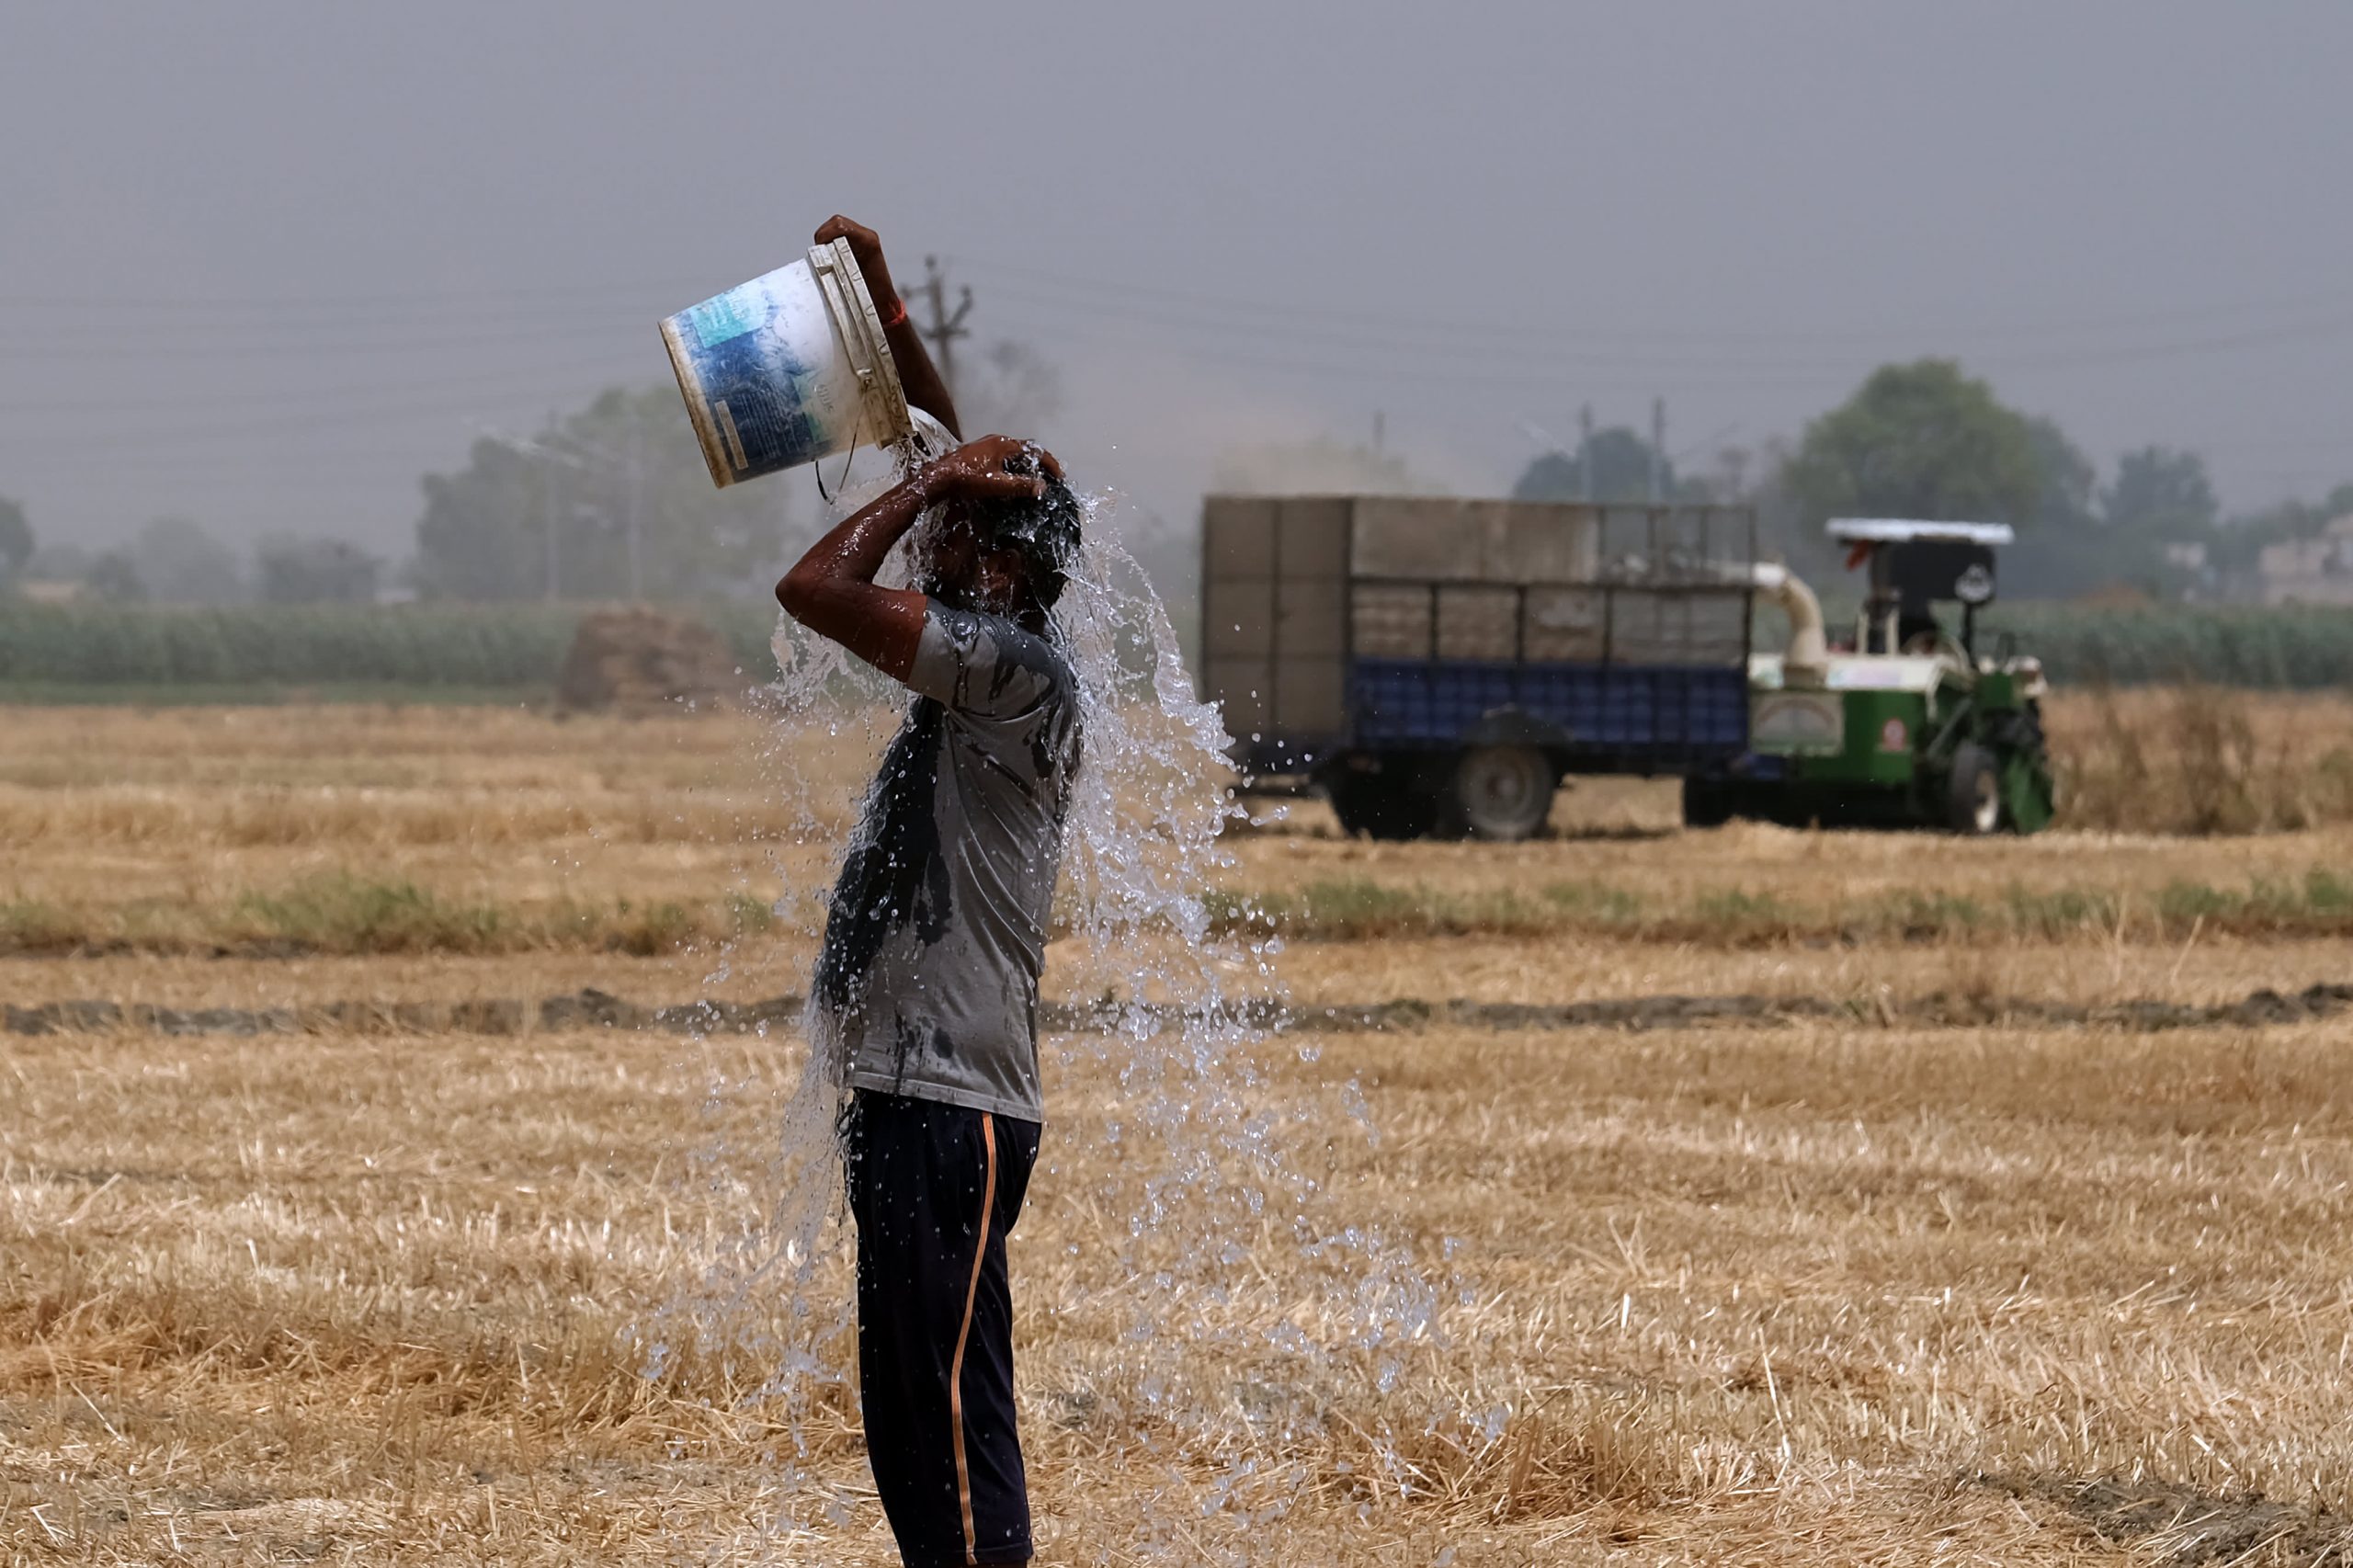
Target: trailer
<point>1436,666</point>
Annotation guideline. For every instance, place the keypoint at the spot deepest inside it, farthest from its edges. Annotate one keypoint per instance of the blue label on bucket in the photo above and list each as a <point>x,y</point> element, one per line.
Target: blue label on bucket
<point>763,366</point>
<point>730,315</point>
<point>756,386</point>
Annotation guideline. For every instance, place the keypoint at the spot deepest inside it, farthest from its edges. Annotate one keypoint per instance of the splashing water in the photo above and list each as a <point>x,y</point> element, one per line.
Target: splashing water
<point>1176,1175</point>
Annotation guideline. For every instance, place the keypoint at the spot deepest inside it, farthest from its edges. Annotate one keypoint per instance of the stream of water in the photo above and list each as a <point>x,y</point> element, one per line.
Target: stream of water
<point>1216,1296</point>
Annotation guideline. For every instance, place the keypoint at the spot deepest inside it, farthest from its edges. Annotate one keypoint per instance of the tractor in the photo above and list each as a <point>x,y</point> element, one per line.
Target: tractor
<point>1908,726</point>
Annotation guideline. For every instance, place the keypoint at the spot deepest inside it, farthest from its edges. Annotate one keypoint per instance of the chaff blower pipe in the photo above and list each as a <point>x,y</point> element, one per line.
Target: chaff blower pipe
<point>1807,662</point>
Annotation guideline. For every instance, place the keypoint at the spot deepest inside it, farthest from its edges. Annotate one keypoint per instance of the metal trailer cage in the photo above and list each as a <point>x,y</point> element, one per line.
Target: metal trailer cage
<point>1616,637</point>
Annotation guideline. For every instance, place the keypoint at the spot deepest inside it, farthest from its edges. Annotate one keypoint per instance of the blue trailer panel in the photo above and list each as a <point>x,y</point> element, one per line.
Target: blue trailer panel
<point>1662,718</point>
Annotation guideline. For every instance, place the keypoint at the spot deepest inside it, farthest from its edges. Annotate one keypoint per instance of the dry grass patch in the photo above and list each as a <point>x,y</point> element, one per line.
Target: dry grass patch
<point>2200,759</point>
<point>2317,903</point>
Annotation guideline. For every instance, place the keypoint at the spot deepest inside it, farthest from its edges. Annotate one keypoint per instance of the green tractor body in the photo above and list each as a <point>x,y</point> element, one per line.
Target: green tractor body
<point>1908,727</point>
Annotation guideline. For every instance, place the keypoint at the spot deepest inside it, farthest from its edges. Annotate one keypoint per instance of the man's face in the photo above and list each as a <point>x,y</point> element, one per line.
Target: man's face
<point>962,573</point>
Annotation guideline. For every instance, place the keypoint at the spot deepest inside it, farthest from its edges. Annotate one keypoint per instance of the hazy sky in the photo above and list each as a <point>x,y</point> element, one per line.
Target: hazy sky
<point>262,265</point>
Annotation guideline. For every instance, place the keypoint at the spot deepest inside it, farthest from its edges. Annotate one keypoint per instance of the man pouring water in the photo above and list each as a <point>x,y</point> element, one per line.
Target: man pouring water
<point>935,937</point>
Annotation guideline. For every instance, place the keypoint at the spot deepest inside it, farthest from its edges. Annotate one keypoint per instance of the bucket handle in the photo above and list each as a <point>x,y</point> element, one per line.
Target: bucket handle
<point>848,458</point>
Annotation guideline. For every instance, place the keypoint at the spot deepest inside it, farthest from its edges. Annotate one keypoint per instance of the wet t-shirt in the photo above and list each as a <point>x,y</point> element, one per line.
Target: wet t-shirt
<point>936,932</point>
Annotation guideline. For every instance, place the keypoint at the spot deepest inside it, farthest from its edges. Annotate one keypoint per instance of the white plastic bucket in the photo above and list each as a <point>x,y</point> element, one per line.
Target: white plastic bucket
<point>787,368</point>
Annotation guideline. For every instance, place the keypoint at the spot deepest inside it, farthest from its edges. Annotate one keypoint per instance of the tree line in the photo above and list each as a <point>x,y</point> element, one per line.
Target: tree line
<point>613,502</point>
<point>175,560</point>
<point>1927,439</point>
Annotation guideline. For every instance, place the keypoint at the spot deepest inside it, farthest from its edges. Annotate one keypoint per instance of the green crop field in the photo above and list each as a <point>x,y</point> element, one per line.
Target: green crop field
<point>74,652</point>
<point>51,654</point>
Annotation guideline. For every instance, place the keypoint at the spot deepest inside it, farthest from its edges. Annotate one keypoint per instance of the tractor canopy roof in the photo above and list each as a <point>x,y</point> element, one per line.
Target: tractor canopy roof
<point>1903,530</point>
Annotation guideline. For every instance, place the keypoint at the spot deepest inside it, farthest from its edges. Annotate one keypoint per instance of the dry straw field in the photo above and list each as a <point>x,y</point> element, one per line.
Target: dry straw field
<point>1747,1196</point>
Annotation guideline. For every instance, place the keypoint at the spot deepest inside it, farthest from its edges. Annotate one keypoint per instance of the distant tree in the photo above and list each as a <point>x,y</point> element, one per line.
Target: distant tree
<point>56,563</point>
<point>182,564</point>
<point>113,579</point>
<point>2063,550</point>
<point>15,539</point>
<point>486,531</point>
<point>2159,490</point>
<point>1622,469</point>
<point>314,571</point>
<point>2066,479</point>
<point>1783,527</point>
<point>1918,440</point>
<point>479,536</point>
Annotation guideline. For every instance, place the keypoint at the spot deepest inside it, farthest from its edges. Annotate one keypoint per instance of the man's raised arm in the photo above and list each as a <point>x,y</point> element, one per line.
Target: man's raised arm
<point>832,591</point>
<point>918,378</point>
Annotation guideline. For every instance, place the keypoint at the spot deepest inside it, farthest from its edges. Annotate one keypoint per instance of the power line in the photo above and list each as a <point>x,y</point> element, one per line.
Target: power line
<point>344,314</point>
<point>2335,302</point>
<point>242,346</point>
<point>1830,360</point>
<point>1558,371</point>
<point>340,302</point>
<point>1193,312</point>
<point>43,324</point>
<point>1562,366</point>
<point>522,378</point>
<point>115,440</point>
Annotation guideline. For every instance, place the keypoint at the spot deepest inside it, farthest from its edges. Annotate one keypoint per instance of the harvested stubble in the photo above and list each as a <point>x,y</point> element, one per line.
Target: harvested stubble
<point>2320,904</point>
<point>1810,1297</point>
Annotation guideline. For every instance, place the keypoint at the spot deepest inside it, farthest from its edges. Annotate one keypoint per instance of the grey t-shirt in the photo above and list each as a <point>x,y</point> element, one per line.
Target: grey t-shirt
<point>936,931</point>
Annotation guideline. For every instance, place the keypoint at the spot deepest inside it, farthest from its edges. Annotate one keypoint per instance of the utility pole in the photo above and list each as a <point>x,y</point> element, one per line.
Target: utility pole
<point>1380,431</point>
<point>1658,451</point>
<point>552,509</point>
<point>551,514</point>
<point>1584,454</point>
<point>945,329</point>
<point>634,479</point>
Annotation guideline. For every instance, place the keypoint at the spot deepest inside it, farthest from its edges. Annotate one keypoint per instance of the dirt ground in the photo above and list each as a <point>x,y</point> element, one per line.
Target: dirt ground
<point>1884,1265</point>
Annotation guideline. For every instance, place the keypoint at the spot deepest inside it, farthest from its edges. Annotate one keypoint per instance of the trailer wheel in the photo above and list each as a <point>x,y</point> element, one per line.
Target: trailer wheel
<point>1973,793</point>
<point>1381,806</point>
<point>1502,793</point>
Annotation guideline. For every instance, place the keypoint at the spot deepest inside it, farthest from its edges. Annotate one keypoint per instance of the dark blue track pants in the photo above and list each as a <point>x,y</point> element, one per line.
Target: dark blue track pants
<point>933,1190</point>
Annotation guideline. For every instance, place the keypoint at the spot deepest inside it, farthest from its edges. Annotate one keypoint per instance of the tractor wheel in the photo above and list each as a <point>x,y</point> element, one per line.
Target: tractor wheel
<point>1381,806</point>
<point>1706,802</point>
<point>1503,794</point>
<point>1974,792</point>
<point>2028,800</point>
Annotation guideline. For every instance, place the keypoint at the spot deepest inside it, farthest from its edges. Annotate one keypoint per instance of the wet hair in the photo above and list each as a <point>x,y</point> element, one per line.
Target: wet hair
<point>1044,530</point>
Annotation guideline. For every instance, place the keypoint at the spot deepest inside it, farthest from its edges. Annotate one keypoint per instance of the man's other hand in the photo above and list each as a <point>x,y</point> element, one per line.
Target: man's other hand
<point>866,248</point>
<point>976,470</point>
